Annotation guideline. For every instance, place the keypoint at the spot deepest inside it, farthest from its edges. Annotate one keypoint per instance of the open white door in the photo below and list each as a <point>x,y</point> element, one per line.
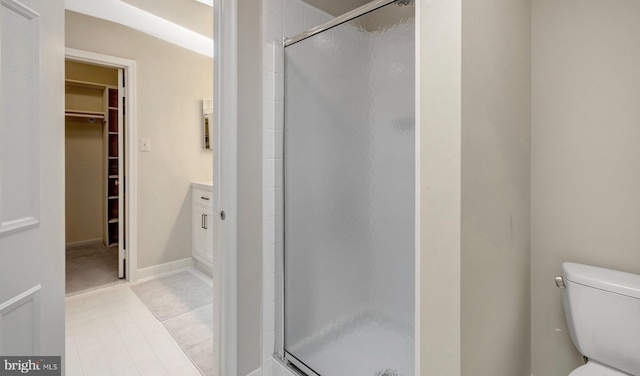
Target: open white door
<point>32,178</point>
<point>122,245</point>
<point>225,93</point>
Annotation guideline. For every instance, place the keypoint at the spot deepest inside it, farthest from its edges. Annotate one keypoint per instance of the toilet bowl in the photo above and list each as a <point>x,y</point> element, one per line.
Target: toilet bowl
<point>601,308</point>
<point>595,369</point>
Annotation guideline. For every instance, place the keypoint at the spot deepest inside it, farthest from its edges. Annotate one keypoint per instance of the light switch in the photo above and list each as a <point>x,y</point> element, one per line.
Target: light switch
<point>145,144</point>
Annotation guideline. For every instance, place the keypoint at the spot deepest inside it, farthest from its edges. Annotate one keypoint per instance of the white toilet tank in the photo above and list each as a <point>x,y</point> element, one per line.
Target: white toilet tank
<point>602,308</point>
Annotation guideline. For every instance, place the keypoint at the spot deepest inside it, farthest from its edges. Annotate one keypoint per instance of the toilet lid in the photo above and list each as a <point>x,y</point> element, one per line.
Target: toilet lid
<point>595,369</point>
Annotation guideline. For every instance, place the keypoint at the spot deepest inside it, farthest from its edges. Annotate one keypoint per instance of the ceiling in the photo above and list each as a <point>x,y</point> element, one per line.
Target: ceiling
<point>183,22</point>
<point>130,15</point>
<point>336,7</point>
<point>193,15</point>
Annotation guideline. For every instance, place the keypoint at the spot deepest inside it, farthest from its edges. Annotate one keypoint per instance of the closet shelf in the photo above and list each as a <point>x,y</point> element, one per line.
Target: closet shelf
<point>85,84</point>
<point>84,115</point>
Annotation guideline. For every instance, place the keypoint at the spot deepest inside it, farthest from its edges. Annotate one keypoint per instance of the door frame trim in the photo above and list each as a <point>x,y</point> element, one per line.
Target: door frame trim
<point>131,160</point>
<point>225,96</point>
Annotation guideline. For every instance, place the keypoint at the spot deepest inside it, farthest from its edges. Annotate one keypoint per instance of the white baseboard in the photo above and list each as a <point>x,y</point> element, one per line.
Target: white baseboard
<point>255,373</point>
<point>156,271</point>
<point>84,242</point>
<point>205,268</point>
<point>204,277</point>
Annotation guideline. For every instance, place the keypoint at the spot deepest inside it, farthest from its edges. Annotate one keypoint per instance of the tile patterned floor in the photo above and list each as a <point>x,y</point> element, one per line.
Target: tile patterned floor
<point>111,332</point>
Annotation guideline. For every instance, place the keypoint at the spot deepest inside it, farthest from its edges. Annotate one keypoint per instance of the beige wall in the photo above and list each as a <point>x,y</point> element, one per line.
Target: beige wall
<point>496,124</point>
<point>474,198</point>
<point>84,178</point>
<point>439,175</point>
<point>585,156</point>
<point>171,83</point>
<point>249,185</point>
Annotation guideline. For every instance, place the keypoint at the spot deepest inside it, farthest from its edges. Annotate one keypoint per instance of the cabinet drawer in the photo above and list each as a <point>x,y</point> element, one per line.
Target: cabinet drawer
<point>202,197</point>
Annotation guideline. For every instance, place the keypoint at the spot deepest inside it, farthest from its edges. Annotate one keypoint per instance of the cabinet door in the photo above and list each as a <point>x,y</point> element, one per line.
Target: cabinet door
<point>203,224</point>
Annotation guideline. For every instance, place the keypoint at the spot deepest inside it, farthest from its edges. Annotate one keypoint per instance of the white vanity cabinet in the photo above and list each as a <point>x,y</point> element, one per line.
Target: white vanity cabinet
<point>204,225</point>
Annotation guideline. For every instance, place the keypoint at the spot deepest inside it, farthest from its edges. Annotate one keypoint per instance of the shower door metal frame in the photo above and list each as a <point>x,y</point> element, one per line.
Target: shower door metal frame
<point>289,360</point>
<point>369,7</point>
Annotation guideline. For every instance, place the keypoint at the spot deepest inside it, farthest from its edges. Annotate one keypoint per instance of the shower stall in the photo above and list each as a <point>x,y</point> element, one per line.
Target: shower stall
<point>348,255</point>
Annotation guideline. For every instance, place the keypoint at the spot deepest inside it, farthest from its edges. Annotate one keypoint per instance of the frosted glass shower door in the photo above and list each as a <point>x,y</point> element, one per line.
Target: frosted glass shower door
<point>349,197</point>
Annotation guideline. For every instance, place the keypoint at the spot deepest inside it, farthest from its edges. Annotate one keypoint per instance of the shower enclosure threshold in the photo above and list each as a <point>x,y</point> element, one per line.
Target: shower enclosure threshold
<point>385,351</point>
<point>297,366</point>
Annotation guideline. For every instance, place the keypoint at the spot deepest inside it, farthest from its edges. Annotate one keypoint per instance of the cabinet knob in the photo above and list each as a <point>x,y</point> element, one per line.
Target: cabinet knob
<point>222,215</point>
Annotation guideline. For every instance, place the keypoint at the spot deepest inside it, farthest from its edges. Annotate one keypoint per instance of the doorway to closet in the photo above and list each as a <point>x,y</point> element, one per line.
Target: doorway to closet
<point>94,176</point>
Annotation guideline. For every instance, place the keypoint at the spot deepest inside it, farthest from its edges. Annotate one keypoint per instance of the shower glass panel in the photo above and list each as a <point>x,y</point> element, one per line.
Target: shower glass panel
<point>349,188</point>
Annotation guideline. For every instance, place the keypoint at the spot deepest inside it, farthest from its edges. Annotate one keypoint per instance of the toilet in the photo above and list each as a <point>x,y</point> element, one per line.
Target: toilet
<point>602,309</point>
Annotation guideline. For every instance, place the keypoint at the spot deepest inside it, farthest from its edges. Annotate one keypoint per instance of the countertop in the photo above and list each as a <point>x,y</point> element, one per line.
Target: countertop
<point>205,185</point>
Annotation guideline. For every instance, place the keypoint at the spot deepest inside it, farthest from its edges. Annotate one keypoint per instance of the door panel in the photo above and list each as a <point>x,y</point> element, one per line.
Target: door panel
<point>32,177</point>
<point>19,189</point>
<point>20,324</point>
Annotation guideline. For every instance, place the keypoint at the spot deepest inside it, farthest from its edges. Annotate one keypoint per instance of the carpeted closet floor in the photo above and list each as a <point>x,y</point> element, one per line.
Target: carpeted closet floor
<point>89,266</point>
